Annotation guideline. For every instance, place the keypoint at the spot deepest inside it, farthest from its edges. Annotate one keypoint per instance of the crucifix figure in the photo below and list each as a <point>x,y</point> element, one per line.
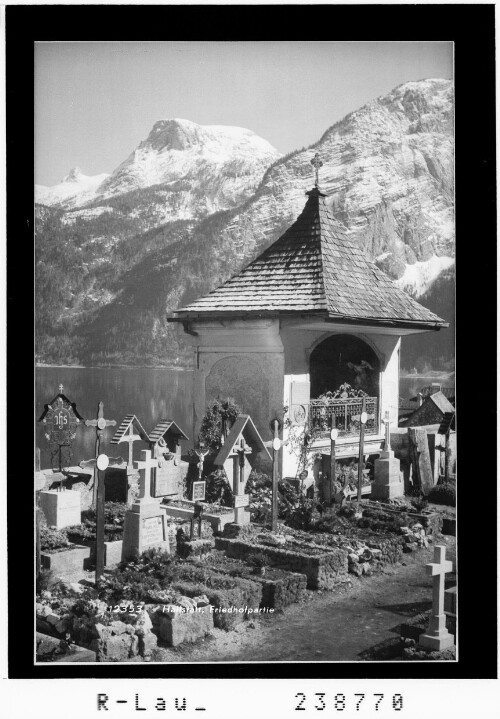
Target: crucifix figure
<point>241,450</point>
<point>201,453</point>
<point>100,424</point>
<point>316,163</point>
<point>437,636</point>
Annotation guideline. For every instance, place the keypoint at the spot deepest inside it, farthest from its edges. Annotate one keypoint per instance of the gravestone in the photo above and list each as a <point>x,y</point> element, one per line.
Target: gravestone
<point>420,459</point>
<point>388,482</point>
<point>145,522</point>
<point>61,509</point>
<point>170,471</point>
<point>437,637</point>
<point>237,456</point>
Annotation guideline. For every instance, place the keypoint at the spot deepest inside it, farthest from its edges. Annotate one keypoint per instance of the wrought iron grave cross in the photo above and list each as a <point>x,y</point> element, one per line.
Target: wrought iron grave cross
<point>316,163</point>
<point>100,424</point>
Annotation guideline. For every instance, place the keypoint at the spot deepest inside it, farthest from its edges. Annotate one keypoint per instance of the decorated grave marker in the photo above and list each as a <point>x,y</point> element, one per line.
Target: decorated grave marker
<point>145,522</point>
<point>237,456</point>
<point>130,431</point>
<point>61,419</point>
<point>164,443</point>
<point>437,637</point>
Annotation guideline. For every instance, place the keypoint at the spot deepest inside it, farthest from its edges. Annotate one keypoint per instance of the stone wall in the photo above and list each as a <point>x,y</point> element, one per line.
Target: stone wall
<point>322,570</point>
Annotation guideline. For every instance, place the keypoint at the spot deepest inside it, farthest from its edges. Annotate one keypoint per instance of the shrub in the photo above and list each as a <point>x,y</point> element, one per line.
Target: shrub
<point>47,581</point>
<point>259,487</point>
<point>218,413</point>
<point>114,518</point>
<point>420,503</point>
<point>258,559</point>
<point>218,490</point>
<point>52,539</point>
<point>443,494</point>
<point>380,521</point>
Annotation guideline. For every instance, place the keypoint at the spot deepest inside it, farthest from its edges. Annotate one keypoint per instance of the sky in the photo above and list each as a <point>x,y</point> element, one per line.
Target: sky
<point>95,102</point>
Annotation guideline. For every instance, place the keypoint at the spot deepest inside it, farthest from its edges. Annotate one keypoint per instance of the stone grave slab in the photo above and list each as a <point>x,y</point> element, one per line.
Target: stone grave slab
<point>61,509</point>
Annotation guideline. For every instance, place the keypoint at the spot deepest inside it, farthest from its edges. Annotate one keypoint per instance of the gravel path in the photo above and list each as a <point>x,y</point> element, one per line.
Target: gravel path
<point>327,626</point>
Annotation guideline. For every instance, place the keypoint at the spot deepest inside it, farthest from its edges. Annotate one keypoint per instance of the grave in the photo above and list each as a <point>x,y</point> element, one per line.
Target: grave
<point>388,482</point>
<point>145,522</point>
<point>61,509</point>
<point>238,455</point>
<point>122,483</point>
<point>171,470</point>
<point>437,637</point>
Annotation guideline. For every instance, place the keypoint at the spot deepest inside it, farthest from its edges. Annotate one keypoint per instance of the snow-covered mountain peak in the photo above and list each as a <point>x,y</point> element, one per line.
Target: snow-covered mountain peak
<point>75,189</point>
<point>74,175</point>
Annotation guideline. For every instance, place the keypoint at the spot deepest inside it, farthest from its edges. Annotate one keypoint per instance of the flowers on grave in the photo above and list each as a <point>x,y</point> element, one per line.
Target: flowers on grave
<point>114,517</point>
<point>219,417</point>
<point>218,490</point>
<point>259,487</point>
<point>53,540</point>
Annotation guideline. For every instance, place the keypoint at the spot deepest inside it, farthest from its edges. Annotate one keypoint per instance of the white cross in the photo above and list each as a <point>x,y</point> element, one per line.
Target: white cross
<point>145,466</point>
<point>437,570</point>
<point>387,432</point>
<point>130,437</point>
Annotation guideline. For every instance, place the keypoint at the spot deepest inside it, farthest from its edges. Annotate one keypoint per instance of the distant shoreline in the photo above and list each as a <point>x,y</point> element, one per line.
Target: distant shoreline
<point>40,365</point>
<point>438,375</point>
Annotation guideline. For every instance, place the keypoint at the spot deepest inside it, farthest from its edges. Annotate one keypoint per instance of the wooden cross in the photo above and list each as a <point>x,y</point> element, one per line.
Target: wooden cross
<point>276,451</point>
<point>100,464</point>
<point>130,437</point>
<point>241,450</point>
<point>316,163</point>
<point>437,635</point>
<point>100,424</point>
<point>145,465</point>
<point>361,449</point>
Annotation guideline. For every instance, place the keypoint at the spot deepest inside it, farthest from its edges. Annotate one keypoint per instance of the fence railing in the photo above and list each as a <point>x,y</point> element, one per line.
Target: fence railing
<point>344,415</point>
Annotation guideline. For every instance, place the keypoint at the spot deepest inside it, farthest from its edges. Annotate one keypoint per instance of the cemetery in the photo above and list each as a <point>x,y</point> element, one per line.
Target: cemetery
<point>296,480</point>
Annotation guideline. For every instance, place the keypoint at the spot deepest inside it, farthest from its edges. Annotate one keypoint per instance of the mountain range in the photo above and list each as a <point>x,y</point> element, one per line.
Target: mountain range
<point>191,205</point>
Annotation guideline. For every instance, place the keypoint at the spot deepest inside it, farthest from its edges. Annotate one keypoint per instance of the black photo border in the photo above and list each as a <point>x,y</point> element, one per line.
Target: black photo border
<point>472,29</point>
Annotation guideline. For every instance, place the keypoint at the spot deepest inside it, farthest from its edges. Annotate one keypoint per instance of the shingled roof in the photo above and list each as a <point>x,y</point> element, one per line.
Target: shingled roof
<point>313,268</point>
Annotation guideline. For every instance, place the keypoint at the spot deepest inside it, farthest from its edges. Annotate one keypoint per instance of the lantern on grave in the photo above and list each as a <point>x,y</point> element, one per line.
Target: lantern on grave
<point>237,456</point>
<point>164,442</point>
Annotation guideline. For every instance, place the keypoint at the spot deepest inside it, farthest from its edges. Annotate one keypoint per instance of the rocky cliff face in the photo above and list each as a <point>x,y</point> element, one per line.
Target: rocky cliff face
<point>192,205</point>
<point>388,169</point>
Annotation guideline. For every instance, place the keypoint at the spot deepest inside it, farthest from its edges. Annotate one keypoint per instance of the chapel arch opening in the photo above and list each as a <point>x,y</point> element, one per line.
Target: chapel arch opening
<point>344,358</point>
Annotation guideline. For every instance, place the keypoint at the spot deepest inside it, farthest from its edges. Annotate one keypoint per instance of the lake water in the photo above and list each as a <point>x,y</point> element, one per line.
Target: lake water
<point>151,394</point>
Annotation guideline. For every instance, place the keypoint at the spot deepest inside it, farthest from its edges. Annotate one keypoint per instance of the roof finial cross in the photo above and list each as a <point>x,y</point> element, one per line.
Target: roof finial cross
<point>61,389</point>
<point>316,163</point>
